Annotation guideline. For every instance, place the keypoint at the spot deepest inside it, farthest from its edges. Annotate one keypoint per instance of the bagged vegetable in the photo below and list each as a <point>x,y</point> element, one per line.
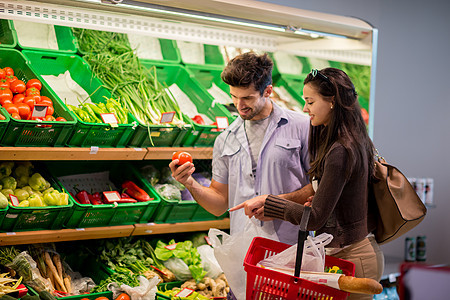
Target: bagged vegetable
<point>151,174</point>
<point>209,261</point>
<point>146,290</point>
<point>168,191</point>
<point>179,268</point>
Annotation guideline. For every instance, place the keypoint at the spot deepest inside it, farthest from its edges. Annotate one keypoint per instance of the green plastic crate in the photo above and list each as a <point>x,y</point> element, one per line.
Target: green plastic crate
<point>37,218</point>
<point>8,37</point>
<point>64,36</point>
<point>206,76</point>
<point>303,61</point>
<point>85,134</point>
<point>202,135</point>
<point>213,57</point>
<point>293,85</point>
<point>4,123</point>
<point>169,51</point>
<point>174,211</point>
<point>89,215</point>
<point>31,133</point>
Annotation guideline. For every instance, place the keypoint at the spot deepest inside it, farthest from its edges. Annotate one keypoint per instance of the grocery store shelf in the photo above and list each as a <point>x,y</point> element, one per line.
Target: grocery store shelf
<point>152,228</point>
<point>63,235</point>
<point>166,152</point>
<point>95,153</point>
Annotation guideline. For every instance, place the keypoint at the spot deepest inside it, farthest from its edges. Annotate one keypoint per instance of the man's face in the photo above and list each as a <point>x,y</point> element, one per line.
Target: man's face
<point>250,104</point>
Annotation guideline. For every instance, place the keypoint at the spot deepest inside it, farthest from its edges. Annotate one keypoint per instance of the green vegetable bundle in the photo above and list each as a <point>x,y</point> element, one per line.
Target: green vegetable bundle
<point>184,251</point>
<point>91,112</point>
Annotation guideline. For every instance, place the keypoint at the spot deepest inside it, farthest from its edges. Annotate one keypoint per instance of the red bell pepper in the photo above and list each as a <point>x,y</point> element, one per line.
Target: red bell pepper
<point>95,199</point>
<point>135,192</point>
<point>82,196</point>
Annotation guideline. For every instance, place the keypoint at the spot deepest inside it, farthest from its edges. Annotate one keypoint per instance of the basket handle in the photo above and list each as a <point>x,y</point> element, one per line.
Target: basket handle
<point>302,234</point>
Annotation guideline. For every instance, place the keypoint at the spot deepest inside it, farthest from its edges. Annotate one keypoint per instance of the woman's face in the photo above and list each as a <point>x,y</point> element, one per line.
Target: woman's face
<point>316,106</point>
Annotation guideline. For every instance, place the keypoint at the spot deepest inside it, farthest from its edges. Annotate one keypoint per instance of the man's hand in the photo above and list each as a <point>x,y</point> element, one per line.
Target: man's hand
<point>182,173</point>
<point>254,208</point>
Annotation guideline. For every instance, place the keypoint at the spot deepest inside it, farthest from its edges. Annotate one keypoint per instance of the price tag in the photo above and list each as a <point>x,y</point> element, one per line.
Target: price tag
<point>39,111</point>
<point>171,247</point>
<point>185,292</point>
<point>94,150</point>
<point>14,200</point>
<point>110,119</point>
<point>167,117</point>
<point>112,196</point>
<point>222,122</point>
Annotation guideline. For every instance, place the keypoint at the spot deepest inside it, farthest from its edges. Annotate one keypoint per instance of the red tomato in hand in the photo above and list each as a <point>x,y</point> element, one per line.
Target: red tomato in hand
<point>182,156</point>
<point>34,83</point>
<point>17,86</point>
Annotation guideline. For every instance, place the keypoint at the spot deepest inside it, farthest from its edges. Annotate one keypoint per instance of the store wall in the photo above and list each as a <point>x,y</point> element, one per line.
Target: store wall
<point>412,105</point>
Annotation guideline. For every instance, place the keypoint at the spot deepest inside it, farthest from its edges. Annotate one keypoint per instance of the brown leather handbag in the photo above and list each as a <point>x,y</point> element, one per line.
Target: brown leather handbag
<point>399,207</point>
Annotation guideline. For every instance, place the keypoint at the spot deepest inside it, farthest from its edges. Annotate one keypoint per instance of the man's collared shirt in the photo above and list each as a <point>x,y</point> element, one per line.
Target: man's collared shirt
<point>282,165</point>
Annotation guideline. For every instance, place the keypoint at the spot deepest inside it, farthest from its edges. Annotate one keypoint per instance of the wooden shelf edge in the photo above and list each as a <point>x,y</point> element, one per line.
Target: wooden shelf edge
<point>166,152</point>
<point>152,228</point>
<point>94,153</point>
<point>64,235</point>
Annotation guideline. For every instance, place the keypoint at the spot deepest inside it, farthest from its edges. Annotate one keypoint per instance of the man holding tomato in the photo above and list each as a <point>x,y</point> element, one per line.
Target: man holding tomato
<point>263,151</point>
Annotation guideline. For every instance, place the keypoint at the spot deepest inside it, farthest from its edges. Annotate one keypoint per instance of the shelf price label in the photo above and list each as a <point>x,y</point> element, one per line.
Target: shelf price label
<point>112,196</point>
<point>185,292</point>
<point>110,119</point>
<point>167,117</point>
<point>14,200</point>
<point>39,111</point>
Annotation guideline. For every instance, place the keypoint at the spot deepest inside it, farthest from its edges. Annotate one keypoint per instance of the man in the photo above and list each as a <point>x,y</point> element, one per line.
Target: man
<point>264,151</point>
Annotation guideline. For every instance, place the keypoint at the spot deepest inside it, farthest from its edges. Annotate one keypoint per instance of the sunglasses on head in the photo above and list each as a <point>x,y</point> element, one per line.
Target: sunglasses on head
<point>315,72</point>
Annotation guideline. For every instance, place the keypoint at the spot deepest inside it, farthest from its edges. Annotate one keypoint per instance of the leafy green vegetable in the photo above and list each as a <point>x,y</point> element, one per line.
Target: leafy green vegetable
<point>184,251</point>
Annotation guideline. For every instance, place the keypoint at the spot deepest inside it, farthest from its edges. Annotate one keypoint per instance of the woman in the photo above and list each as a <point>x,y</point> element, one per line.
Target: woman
<point>341,154</point>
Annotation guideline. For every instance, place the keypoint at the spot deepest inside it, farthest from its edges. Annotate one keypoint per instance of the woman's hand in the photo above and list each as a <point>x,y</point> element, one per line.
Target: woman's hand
<point>253,208</point>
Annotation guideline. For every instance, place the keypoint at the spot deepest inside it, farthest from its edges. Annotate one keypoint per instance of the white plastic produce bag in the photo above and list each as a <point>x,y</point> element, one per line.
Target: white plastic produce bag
<point>231,250</point>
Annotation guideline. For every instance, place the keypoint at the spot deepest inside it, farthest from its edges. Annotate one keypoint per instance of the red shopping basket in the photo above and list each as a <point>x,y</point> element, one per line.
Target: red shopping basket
<point>268,284</point>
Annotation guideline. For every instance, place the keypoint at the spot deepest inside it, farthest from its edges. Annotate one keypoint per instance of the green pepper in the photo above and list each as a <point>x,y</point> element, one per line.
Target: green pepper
<point>6,168</point>
<point>37,182</point>
<point>36,201</point>
<point>55,198</point>
<point>50,189</point>
<point>23,169</point>
<point>7,192</point>
<point>22,181</point>
<point>9,182</point>
<point>21,194</point>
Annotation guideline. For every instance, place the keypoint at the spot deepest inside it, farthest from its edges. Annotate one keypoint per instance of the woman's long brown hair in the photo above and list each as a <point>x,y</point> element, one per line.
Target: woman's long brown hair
<point>346,125</point>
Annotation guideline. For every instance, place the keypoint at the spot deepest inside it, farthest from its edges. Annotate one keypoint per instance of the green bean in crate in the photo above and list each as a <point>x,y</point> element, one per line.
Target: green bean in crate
<point>88,131</point>
<point>136,87</point>
<point>100,177</point>
<point>32,133</point>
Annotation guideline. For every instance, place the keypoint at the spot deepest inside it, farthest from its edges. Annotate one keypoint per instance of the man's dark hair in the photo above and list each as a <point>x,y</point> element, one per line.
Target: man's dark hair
<point>247,69</point>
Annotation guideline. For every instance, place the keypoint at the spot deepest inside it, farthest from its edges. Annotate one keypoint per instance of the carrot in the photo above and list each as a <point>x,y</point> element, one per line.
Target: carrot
<point>52,268</point>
